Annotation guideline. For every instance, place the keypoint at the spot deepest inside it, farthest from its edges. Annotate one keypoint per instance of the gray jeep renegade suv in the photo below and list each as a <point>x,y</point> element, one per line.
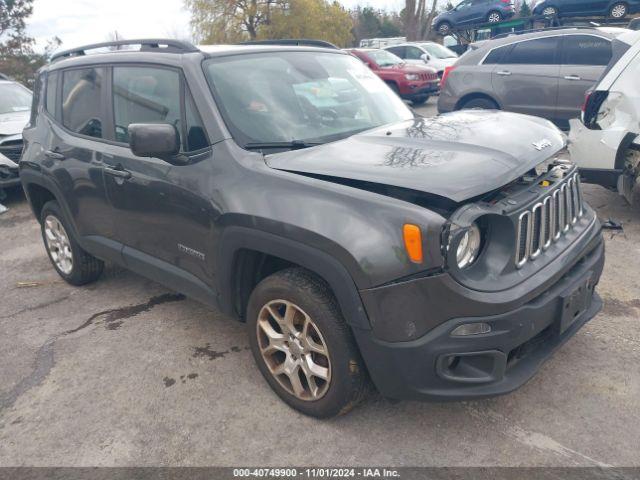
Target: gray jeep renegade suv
<point>442,258</point>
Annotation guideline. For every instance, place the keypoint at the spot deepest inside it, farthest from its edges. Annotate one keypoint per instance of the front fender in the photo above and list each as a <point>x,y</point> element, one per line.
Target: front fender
<point>236,238</point>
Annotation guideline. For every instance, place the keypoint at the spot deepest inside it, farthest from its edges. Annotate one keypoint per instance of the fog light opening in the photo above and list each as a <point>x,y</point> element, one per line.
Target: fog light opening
<point>471,329</point>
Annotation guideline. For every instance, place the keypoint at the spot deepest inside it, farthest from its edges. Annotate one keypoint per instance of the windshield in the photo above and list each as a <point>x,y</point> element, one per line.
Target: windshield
<point>14,98</point>
<point>384,58</point>
<point>300,96</point>
<point>438,51</point>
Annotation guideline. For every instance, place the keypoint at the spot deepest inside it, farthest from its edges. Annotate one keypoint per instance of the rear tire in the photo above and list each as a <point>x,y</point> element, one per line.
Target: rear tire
<point>444,28</point>
<point>482,103</point>
<point>72,263</point>
<point>494,17</point>
<point>295,364</point>
<point>618,10</point>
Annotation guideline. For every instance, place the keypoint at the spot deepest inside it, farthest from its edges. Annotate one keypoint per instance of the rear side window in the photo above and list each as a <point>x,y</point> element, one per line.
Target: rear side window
<point>82,109</point>
<point>496,55</point>
<point>145,95</point>
<point>399,51</point>
<point>585,50</point>
<point>52,93</point>
<point>541,51</point>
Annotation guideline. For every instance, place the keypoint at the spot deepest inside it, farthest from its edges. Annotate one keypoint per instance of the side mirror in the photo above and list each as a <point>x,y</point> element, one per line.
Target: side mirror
<point>426,57</point>
<point>160,140</point>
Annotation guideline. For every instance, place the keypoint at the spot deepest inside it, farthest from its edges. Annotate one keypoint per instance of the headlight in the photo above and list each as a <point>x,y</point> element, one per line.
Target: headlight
<point>412,76</point>
<point>469,247</point>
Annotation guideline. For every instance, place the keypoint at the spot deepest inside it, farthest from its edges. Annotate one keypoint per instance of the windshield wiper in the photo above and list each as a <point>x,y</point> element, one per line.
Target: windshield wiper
<point>292,145</point>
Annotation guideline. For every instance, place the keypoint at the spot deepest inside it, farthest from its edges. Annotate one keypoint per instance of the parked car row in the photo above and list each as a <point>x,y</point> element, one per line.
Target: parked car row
<point>478,12</point>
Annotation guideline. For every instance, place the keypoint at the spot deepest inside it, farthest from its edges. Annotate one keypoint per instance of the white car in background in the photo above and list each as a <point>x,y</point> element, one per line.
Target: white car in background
<point>605,143</point>
<point>430,53</point>
<point>15,109</point>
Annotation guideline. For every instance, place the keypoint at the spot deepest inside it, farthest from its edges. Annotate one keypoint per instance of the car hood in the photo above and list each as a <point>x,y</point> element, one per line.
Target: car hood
<point>458,156</point>
<point>411,68</point>
<point>13,123</point>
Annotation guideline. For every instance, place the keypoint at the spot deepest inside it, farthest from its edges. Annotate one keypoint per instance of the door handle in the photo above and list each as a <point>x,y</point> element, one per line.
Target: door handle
<point>504,73</point>
<point>55,155</point>
<point>117,171</point>
<point>572,77</point>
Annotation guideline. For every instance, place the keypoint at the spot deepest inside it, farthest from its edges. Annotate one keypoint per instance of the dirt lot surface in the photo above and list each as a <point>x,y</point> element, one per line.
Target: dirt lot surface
<point>124,372</point>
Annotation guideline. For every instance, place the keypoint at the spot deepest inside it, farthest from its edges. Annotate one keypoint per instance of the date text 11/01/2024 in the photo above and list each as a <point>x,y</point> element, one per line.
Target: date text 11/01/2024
<point>316,472</point>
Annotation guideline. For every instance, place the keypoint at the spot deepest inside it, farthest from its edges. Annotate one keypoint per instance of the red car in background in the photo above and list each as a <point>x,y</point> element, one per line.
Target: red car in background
<point>411,82</point>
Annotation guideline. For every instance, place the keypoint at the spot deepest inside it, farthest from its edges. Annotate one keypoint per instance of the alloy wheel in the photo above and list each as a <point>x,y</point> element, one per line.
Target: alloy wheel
<point>549,12</point>
<point>294,350</point>
<point>494,17</point>
<point>619,10</point>
<point>58,245</point>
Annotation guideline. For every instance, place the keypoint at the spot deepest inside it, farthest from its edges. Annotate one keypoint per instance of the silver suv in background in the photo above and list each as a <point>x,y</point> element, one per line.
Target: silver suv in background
<point>542,73</point>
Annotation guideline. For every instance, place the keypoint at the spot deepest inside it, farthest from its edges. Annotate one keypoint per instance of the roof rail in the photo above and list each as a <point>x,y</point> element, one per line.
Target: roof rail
<point>301,42</point>
<point>163,45</point>
<point>549,29</point>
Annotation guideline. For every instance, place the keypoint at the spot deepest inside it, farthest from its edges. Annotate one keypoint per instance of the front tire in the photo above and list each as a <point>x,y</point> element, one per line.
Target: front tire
<point>618,10</point>
<point>72,263</point>
<point>550,12</point>
<point>302,345</point>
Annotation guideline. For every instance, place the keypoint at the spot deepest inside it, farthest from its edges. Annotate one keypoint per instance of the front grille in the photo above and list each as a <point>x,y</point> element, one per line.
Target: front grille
<point>429,76</point>
<point>12,150</point>
<point>548,220</point>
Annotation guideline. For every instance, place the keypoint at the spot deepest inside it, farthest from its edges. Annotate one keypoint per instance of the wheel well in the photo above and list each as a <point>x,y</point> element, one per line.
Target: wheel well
<point>250,268</point>
<point>473,96</point>
<point>38,196</point>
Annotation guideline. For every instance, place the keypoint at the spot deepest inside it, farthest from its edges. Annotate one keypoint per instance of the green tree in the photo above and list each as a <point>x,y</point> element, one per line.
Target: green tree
<point>229,21</point>
<point>317,19</point>
<point>18,59</point>
<point>525,9</point>
<point>367,23</point>
<point>390,28</point>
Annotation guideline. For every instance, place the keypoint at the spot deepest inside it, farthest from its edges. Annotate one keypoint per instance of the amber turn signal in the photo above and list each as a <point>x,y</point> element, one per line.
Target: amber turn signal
<point>412,242</point>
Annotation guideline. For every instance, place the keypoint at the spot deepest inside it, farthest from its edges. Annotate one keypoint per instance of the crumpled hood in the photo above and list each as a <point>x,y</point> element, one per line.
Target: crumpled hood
<point>13,123</point>
<point>458,155</point>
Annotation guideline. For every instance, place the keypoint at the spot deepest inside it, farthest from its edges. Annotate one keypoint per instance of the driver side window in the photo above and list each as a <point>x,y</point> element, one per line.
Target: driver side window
<point>145,95</point>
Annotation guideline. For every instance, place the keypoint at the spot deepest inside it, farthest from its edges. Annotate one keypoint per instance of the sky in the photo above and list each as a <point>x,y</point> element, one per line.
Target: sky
<point>81,22</point>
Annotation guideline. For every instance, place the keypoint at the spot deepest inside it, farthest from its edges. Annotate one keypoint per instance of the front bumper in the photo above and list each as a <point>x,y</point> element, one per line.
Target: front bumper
<point>417,91</point>
<point>439,366</point>
<point>9,177</point>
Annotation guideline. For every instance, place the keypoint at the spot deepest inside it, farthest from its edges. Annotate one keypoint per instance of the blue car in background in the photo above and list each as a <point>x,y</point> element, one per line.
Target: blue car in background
<point>470,12</point>
<point>586,8</point>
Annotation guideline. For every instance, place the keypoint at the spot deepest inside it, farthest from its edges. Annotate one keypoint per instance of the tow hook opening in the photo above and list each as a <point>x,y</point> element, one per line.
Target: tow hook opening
<point>472,367</point>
